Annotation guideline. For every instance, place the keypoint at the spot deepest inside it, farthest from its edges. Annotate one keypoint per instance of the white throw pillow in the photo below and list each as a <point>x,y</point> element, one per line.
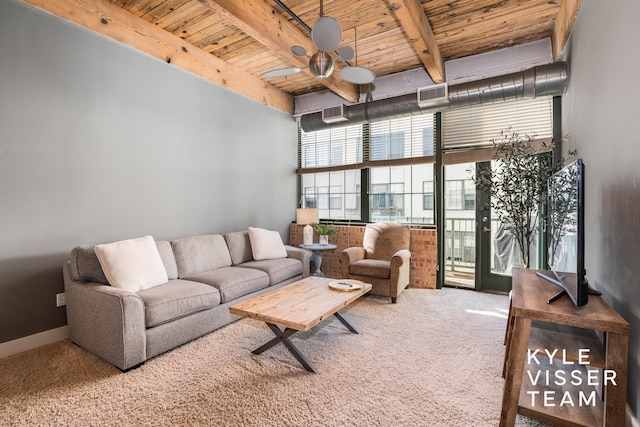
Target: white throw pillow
<point>133,264</point>
<point>266,244</point>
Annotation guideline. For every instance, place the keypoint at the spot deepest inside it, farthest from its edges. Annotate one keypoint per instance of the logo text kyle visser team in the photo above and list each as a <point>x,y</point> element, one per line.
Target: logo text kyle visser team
<point>580,375</point>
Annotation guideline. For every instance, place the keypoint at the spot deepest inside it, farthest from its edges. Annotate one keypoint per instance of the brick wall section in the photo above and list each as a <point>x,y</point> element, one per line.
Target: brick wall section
<point>424,258</point>
<point>423,252</point>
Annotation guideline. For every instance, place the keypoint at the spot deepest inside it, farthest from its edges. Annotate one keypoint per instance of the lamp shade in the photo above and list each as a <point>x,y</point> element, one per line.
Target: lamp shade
<point>307,215</point>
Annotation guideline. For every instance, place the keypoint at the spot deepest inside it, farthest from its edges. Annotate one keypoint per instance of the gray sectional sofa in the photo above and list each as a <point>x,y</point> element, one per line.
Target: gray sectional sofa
<point>204,275</point>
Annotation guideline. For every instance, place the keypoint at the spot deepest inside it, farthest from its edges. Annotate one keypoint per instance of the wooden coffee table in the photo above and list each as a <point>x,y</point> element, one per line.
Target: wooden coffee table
<point>298,306</point>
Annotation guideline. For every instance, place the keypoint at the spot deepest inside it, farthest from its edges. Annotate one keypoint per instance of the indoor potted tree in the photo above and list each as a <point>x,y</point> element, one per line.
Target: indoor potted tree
<point>518,185</point>
<point>324,231</point>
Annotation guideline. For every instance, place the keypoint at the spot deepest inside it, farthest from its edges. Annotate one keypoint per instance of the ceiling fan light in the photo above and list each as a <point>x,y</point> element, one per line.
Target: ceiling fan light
<point>321,64</point>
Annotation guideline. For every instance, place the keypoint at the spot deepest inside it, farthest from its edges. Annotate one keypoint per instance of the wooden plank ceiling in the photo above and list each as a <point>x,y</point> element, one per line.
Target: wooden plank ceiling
<point>232,42</point>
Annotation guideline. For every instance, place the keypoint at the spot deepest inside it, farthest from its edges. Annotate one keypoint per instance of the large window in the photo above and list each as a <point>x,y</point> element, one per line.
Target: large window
<point>336,194</point>
<point>395,155</point>
<point>398,193</point>
<point>395,159</point>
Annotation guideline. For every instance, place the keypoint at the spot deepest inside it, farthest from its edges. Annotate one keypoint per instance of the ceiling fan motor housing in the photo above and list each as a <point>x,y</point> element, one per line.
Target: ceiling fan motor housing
<point>321,64</point>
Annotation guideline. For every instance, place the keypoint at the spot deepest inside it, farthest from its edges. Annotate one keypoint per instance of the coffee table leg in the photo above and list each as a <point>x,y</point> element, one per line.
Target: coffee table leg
<point>283,337</point>
<point>280,336</point>
<point>345,323</point>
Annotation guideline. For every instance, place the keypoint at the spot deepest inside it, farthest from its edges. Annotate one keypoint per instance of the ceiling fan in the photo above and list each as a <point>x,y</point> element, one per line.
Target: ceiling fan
<point>326,35</point>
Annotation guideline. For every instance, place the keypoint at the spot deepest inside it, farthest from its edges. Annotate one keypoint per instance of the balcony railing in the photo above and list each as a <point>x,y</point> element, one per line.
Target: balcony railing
<point>460,244</point>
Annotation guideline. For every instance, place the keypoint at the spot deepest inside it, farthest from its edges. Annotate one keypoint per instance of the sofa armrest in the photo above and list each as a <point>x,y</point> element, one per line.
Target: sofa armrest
<point>400,271</point>
<point>303,256</point>
<point>347,257</point>
<point>107,321</point>
<point>400,258</point>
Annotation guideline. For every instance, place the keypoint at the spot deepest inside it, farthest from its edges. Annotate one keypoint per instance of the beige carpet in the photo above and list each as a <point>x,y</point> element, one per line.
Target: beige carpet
<point>433,359</point>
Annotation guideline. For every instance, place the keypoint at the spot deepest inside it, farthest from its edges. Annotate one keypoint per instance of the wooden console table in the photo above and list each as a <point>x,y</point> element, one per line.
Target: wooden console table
<point>593,336</point>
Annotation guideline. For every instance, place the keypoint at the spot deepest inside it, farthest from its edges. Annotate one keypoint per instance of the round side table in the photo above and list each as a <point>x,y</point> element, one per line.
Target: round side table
<point>318,257</point>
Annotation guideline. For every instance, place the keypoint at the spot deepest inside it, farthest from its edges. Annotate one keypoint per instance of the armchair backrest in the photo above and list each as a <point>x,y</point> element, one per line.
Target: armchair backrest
<point>383,239</point>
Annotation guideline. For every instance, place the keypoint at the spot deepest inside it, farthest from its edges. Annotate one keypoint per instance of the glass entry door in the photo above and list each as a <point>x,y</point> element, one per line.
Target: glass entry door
<point>495,246</point>
<point>498,251</point>
<point>479,251</point>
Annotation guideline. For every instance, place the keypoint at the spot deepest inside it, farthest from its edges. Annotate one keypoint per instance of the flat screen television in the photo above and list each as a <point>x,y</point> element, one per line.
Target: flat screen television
<point>565,232</point>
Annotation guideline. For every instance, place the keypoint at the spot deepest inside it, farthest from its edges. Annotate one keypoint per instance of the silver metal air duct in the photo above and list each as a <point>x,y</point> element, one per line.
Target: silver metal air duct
<point>544,80</point>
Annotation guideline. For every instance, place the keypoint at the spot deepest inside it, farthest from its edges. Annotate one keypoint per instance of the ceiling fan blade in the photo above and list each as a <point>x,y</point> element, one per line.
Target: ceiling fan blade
<point>298,51</point>
<point>326,34</point>
<point>280,73</point>
<point>357,75</point>
<point>346,53</point>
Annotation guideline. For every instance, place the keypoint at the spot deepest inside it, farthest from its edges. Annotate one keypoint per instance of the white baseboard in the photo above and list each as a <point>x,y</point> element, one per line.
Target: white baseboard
<point>632,421</point>
<point>10,348</point>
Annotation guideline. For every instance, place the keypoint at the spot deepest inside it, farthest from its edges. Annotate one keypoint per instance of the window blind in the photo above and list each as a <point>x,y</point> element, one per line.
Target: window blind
<point>476,126</point>
<point>401,138</point>
<point>401,141</point>
<point>329,148</point>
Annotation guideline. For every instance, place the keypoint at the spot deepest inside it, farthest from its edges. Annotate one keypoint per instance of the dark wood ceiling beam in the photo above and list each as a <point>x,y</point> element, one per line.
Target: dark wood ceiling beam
<point>564,24</point>
<point>415,24</point>
<point>263,23</point>
<point>111,21</point>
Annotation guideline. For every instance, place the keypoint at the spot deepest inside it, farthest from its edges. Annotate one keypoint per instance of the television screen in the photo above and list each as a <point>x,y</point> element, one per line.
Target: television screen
<point>566,231</point>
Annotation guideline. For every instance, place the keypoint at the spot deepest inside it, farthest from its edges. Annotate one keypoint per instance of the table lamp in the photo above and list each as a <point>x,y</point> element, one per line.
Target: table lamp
<point>307,216</point>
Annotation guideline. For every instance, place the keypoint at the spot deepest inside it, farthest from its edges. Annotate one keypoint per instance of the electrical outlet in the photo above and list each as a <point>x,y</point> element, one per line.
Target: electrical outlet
<point>61,299</point>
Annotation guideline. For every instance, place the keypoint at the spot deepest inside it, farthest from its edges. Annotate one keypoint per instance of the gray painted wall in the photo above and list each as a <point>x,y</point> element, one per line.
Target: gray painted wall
<point>99,142</point>
<point>600,114</point>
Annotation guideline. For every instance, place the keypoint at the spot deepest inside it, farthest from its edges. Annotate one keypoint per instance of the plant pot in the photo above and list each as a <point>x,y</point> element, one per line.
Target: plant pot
<point>324,240</point>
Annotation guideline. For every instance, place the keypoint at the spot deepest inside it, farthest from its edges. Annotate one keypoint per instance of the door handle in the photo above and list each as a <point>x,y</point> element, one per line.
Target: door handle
<point>485,228</point>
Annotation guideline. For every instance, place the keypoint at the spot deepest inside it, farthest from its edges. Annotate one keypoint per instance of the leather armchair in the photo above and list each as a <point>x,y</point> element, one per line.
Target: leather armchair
<point>383,260</point>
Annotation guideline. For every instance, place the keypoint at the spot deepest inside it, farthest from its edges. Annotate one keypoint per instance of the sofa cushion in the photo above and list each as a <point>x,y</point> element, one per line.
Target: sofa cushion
<point>85,265</point>
<point>200,253</point>
<point>371,268</point>
<point>239,246</point>
<point>233,282</point>
<point>175,299</point>
<point>266,244</point>
<point>169,261</point>
<point>278,269</point>
<point>132,264</point>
